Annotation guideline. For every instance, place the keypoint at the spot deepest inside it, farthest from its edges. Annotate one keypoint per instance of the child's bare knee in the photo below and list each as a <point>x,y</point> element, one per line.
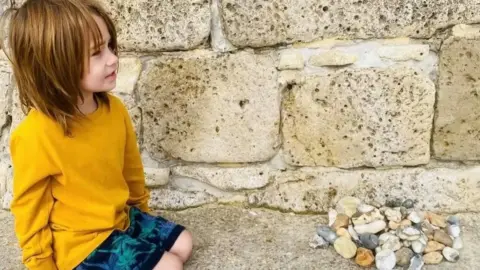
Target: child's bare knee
<point>169,261</point>
<point>183,246</point>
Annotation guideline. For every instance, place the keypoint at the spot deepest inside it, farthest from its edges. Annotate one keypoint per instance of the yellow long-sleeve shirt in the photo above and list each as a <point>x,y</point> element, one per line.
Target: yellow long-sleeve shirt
<point>70,193</point>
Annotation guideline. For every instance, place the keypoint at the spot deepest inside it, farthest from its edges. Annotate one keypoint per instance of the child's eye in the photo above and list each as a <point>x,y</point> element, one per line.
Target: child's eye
<point>96,53</point>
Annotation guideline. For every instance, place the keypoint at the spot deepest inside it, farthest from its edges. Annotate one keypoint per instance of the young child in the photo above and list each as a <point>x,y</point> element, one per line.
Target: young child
<point>80,200</point>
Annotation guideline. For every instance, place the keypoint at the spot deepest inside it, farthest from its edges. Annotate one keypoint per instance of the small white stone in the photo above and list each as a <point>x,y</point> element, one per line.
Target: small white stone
<point>416,263</point>
<point>365,208</point>
<point>291,60</point>
<point>450,254</point>
<point>409,233</point>
<point>390,242</point>
<point>416,217</point>
<point>385,260</point>
<point>373,227</point>
<point>457,243</point>
<point>348,206</point>
<point>407,243</point>
<point>332,216</point>
<point>393,215</point>
<point>353,233</point>
<point>384,237</point>
<point>367,217</point>
<point>418,247</point>
<point>318,242</point>
<point>453,230</point>
<point>378,249</point>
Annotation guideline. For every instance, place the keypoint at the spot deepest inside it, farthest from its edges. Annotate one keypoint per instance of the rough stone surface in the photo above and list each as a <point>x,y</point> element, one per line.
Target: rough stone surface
<point>155,177</point>
<point>291,60</point>
<point>267,23</point>
<point>317,189</point>
<point>367,117</point>
<point>6,89</point>
<point>206,107</point>
<point>457,121</point>
<point>404,52</point>
<point>128,73</point>
<point>218,41</point>
<point>144,25</point>
<point>263,238</point>
<point>227,178</point>
<point>170,198</point>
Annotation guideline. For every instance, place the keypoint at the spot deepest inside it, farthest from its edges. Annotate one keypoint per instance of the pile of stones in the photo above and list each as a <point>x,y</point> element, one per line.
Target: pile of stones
<point>394,234</point>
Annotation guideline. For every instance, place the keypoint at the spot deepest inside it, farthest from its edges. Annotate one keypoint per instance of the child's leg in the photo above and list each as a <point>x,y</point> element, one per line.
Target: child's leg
<point>170,236</point>
<point>169,261</point>
<point>183,246</point>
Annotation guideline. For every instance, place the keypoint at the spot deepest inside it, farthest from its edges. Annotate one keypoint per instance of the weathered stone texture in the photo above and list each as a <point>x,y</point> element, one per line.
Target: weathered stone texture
<point>171,198</point>
<point>316,189</point>
<point>227,178</point>
<point>4,4</point>
<point>156,176</point>
<point>128,73</point>
<point>144,25</point>
<point>359,117</point>
<point>211,108</point>
<point>6,90</point>
<point>457,123</point>
<point>265,23</point>
<point>404,52</point>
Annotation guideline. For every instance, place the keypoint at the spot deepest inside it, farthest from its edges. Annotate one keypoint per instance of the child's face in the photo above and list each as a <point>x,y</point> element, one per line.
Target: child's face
<point>101,73</point>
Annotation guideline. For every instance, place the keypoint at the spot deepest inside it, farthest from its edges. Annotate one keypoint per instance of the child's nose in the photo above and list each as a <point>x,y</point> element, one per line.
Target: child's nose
<point>113,59</point>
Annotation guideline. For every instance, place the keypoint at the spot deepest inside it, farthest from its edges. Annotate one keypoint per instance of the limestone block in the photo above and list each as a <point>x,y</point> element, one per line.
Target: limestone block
<point>291,60</point>
<point>332,58</point>
<point>416,52</point>
<point>256,24</point>
<point>466,31</point>
<point>457,123</point>
<point>227,178</point>
<point>156,176</point>
<point>171,198</point>
<point>205,107</point>
<point>4,4</point>
<point>317,189</point>
<point>359,117</point>
<point>217,36</point>
<point>128,73</point>
<point>145,25</point>
<point>6,89</point>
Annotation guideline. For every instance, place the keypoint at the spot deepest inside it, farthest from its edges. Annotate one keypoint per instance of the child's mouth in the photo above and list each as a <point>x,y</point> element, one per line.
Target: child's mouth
<point>111,76</point>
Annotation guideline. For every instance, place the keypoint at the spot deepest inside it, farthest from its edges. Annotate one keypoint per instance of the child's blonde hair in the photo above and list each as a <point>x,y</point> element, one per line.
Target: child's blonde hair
<point>49,46</point>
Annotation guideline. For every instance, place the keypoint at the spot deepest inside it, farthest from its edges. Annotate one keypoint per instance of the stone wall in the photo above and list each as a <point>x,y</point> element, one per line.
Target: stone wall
<point>294,104</point>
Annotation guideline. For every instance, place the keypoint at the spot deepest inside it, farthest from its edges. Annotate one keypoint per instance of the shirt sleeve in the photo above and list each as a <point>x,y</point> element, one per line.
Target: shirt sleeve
<point>32,201</point>
<point>133,169</point>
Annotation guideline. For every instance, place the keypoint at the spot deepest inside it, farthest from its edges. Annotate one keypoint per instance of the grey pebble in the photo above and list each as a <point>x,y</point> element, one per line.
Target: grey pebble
<point>369,240</point>
<point>454,220</point>
<point>397,202</point>
<point>408,203</point>
<point>416,263</point>
<point>327,233</point>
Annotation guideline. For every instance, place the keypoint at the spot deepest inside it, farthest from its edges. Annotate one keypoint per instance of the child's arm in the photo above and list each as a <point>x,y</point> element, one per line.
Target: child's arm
<point>32,201</point>
<point>133,169</point>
